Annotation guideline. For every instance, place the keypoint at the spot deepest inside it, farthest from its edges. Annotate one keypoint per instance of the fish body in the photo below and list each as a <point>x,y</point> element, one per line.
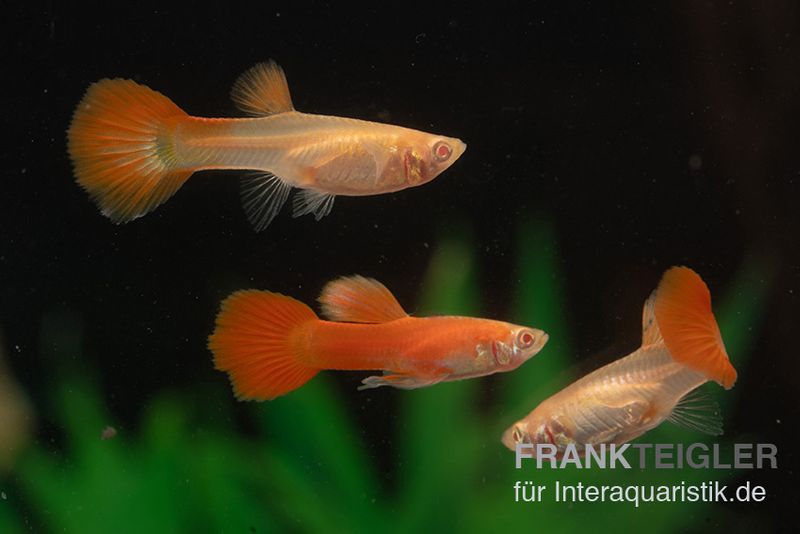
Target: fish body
<point>616,403</point>
<point>270,344</point>
<point>132,148</point>
<point>334,155</point>
<point>681,350</point>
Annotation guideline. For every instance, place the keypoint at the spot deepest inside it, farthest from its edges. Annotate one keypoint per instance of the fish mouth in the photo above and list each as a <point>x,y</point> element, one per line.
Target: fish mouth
<point>458,149</point>
<point>508,439</point>
<point>543,342</point>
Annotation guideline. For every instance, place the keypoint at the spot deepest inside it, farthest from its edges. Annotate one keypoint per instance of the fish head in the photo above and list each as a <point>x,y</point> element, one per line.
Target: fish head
<point>417,158</point>
<point>500,347</point>
<point>440,153</point>
<point>538,429</point>
<point>516,346</point>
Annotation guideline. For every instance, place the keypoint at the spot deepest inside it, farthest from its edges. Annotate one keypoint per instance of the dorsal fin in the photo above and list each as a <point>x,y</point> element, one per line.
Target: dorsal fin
<point>697,411</point>
<point>262,90</point>
<point>650,332</point>
<point>683,312</point>
<point>356,299</point>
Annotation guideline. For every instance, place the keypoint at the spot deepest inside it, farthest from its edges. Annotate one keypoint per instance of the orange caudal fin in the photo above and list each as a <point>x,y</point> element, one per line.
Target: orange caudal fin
<point>258,341</point>
<point>120,142</point>
<point>687,324</point>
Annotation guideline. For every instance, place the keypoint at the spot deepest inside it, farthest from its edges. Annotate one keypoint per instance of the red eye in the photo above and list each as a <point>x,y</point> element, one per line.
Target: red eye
<point>525,339</point>
<point>442,151</point>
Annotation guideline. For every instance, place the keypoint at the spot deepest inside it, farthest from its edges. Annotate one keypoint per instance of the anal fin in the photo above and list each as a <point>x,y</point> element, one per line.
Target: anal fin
<point>263,196</point>
<point>399,381</point>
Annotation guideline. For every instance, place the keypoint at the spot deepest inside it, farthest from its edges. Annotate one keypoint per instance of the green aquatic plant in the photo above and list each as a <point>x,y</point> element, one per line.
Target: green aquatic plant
<point>307,465</point>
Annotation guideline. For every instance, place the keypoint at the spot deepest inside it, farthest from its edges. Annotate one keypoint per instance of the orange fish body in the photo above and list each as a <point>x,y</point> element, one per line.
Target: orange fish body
<point>681,350</point>
<point>132,148</point>
<point>270,344</point>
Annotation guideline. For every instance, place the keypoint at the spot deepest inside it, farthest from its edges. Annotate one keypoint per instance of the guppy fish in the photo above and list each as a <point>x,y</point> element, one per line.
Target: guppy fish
<point>132,148</point>
<point>270,344</point>
<point>681,349</point>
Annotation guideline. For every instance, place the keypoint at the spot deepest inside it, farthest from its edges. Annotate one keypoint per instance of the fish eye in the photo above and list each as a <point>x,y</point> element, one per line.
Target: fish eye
<point>442,151</point>
<point>525,339</point>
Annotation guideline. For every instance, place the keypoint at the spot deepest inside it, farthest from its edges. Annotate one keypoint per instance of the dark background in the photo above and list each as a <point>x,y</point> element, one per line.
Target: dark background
<point>651,136</point>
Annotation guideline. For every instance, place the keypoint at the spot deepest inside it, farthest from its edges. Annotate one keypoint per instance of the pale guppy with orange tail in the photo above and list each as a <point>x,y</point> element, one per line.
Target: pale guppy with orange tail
<point>681,349</point>
<point>271,344</point>
<point>132,148</point>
